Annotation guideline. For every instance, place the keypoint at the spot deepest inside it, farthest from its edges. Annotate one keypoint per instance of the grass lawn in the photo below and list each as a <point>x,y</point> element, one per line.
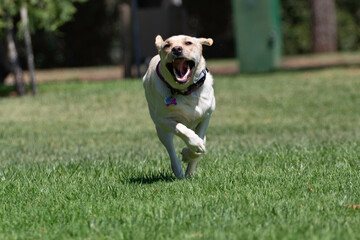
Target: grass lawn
<point>82,161</point>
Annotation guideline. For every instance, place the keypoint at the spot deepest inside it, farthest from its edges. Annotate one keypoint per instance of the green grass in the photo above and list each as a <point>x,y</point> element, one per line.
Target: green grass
<point>82,161</point>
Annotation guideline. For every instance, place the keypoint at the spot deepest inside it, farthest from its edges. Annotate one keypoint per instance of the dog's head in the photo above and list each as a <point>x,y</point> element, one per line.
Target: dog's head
<point>182,58</point>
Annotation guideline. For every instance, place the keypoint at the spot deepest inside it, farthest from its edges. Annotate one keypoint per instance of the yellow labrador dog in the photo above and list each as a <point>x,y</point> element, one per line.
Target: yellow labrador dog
<point>180,96</point>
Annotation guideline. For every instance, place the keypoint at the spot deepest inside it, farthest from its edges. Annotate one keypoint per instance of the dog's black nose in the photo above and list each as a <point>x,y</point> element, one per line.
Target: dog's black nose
<point>177,50</point>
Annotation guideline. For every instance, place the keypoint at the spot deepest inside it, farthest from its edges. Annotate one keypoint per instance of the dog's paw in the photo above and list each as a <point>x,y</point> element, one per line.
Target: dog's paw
<point>196,145</point>
<point>188,155</point>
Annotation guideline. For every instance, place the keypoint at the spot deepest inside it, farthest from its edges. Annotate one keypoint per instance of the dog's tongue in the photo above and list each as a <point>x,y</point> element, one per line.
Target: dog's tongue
<point>180,69</point>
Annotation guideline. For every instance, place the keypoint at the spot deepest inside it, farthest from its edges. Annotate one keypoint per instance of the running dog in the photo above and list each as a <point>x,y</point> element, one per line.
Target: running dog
<point>180,96</point>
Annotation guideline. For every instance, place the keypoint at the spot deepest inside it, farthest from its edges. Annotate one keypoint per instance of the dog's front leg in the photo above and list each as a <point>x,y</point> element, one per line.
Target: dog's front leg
<point>192,140</point>
<point>191,157</point>
<point>166,128</point>
<point>166,139</point>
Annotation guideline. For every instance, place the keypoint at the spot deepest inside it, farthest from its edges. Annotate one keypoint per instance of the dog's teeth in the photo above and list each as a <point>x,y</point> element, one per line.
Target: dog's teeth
<point>176,75</point>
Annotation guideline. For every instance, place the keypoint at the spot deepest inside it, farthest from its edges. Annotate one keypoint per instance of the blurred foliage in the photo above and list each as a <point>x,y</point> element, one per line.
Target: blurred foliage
<point>296,26</point>
<point>43,14</point>
<point>51,14</point>
<point>89,39</point>
<point>72,33</point>
<point>348,18</point>
<point>348,31</point>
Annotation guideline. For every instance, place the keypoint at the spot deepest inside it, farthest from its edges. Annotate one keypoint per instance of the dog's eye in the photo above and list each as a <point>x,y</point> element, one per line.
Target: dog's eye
<point>167,45</point>
<point>188,43</point>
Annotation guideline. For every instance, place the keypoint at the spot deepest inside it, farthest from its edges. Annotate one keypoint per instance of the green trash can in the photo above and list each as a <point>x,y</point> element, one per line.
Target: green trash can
<point>257,34</point>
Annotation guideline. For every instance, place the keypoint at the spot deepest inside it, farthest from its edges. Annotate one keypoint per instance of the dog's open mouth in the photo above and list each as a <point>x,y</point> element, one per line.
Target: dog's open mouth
<point>181,69</point>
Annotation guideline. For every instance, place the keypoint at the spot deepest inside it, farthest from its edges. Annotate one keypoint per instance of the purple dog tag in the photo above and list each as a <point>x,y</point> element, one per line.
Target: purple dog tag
<point>170,101</point>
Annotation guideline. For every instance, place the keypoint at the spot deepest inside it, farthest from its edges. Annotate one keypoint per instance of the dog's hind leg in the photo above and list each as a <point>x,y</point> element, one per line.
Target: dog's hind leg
<point>167,140</point>
<point>191,157</point>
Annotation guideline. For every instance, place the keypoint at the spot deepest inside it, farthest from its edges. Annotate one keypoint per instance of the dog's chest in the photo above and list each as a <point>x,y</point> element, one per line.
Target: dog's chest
<point>188,109</point>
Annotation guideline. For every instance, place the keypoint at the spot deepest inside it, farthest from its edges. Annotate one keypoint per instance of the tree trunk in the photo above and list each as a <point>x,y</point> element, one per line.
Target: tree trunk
<point>126,37</point>
<point>13,57</point>
<point>323,24</point>
<point>29,51</point>
<point>136,36</point>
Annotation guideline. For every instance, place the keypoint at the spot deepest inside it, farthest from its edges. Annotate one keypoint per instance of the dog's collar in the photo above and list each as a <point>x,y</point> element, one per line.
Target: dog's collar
<point>192,88</point>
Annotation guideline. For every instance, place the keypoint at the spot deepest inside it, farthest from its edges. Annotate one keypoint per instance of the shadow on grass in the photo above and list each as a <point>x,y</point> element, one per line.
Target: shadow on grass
<point>152,178</point>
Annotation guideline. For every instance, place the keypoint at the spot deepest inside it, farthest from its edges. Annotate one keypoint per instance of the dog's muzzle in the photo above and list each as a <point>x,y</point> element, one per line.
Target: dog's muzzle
<point>181,69</point>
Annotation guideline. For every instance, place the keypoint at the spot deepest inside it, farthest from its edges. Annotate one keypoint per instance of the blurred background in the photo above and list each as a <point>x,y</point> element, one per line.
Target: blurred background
<point>119,35</point>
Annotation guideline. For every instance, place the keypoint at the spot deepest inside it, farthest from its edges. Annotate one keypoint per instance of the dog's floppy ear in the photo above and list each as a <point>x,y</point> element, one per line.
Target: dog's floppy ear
<point>158,42</point>
<point>206,41</point>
